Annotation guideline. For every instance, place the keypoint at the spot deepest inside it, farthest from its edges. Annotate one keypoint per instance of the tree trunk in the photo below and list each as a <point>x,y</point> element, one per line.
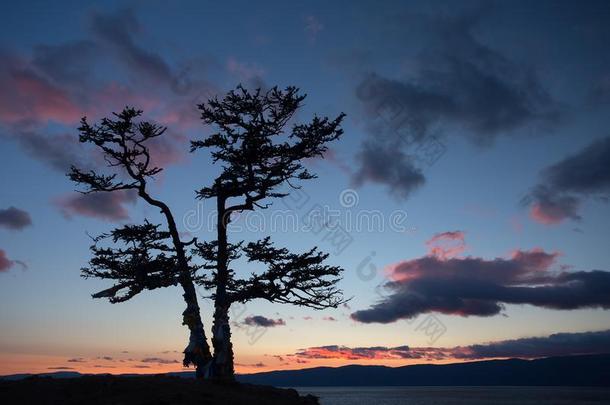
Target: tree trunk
<point>197,352</point>
<point>221,329</point>
<point>223,348</point>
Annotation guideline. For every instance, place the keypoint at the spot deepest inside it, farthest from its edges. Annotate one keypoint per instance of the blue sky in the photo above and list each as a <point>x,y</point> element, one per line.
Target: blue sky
<point>541,95</point>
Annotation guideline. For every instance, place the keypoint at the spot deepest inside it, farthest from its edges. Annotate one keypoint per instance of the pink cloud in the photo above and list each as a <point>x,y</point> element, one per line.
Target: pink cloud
<point>61,83</point>
<point>547,215</point>
<point>535,260</point>
<point>6,264</point>
<point>447,244</point>
<point>27,96</point>
<point>102,205</point>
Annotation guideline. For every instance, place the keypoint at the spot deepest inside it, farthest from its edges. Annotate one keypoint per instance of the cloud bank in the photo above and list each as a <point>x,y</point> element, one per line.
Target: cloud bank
<point>473,286</point>
<point>558,344</point>
<point>459,85</point>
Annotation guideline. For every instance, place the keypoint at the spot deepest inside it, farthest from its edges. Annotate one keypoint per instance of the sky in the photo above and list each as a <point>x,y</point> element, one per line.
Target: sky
<point>468,194</point>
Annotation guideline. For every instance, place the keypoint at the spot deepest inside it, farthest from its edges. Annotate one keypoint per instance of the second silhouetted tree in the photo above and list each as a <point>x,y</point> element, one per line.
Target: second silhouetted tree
<point>260,154</point>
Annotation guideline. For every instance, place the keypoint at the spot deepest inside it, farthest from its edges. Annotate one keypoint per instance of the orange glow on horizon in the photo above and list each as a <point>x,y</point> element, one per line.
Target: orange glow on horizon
<point>11,363</point>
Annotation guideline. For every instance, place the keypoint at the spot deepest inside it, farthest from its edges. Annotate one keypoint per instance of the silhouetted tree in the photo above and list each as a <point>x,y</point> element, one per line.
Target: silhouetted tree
<point>140,257</point>
<point>257,158</point>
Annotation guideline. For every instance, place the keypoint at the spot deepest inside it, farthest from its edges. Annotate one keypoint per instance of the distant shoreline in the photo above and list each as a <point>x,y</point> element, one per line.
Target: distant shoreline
<point>565,371</point>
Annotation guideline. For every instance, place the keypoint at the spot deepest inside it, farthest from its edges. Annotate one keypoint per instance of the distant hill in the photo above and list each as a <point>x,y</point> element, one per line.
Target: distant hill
<point>575,371</point>
<point>588,370</point>
<point>56,374</point>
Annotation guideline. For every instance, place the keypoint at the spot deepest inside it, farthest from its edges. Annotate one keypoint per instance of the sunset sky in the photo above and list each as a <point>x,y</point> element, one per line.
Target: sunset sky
<point>470,187</point>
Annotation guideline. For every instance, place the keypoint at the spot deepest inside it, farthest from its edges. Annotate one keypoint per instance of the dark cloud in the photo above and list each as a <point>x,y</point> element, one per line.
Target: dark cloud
<point>259,320</point>
<point>387,164</point>
<point>458,85</point>
<point>69,63</point>
<point>60,368</point>
<point>77,360</point>
<point>559,344</point>
<point>14,218</point>
<point>587,172</point>
<point>550,207</point>
<point>566,184</point>
<point>107,206</point>
<point>59,152</point>
<point>158,360</point>
<point>118,29</point>
<point>474,286</point>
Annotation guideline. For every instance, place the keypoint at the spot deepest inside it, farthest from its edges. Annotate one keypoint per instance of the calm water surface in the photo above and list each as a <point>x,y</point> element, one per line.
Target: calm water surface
<point>458,395</point>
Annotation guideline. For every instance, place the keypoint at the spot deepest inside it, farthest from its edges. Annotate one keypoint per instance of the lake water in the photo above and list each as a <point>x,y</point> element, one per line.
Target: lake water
<point>458,395</point>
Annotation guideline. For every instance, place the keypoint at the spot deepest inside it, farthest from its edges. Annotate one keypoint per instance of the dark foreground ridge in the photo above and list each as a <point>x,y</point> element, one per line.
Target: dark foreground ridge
<point>574,371</point>
<point>141,390</point>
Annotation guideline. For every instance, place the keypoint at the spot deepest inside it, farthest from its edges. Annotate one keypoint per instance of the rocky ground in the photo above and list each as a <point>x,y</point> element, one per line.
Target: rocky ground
<point>145,390</point>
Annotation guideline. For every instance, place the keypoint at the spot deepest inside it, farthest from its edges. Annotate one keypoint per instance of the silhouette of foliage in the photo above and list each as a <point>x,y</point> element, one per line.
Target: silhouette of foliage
<point>288,278</point>
<point>258,155</point>
<point>144,261</point>
<point>141,257</point>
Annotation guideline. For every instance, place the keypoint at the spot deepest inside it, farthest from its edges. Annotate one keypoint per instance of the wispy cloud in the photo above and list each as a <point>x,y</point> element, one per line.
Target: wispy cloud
<point>159,360</point>
<point>446,245</point>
